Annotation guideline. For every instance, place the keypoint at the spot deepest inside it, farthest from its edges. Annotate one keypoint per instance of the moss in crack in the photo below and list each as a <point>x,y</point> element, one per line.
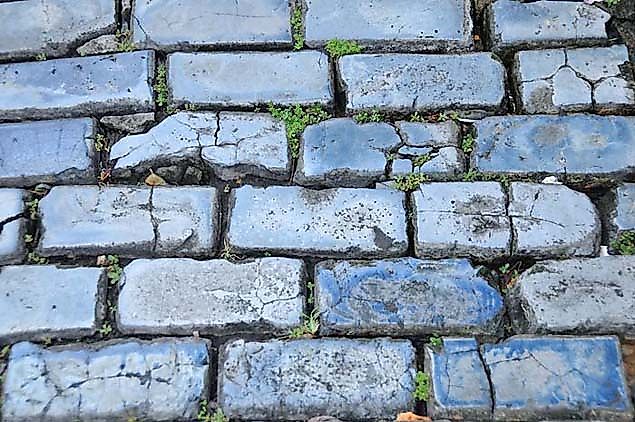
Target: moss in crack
<point>625,243</point>
<point>422,386</point>
<point>309,327</point>
<point>410,182</point>
<point>297,29</point>
<point>420,160</point>
<point>468,143</point>
<point>296,119</point>
<point>374,116</point>
<point>161,86</point>
<point>338,48</point>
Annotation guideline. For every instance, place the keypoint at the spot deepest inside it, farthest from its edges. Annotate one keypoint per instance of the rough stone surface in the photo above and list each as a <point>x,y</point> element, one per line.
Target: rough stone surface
<point>568,377</point>
<point>177,24</point>
<point>474,214</point>
<point>250,79</point>
<point>578,79</point>
<point>460,390</point>
<point>123,220</point>
<point>131,123</point>
<point>343,222</point>
<point>51,27</point>
<point>163,380</point>
<point>624,214</point>
<point>12,227</point>
<point>100,45</point>
<point>515,24</point>
<point>577,295</point>
<point>39,301</point>
<point>572,144</point>
<point>295,380</point>
<point>408,82</point>
<point>394,23</point>
<point>177,296</point>
<point>553,221</point>
<point>340,152</point>
<point>405,297</point>
<point>430,135</point>
<point>55,151</point>
<point>118,83</point>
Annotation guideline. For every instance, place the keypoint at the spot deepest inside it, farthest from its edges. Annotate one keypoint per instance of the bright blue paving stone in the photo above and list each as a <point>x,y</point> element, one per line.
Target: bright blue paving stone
<point>405,297</point>
<point>536,378</point>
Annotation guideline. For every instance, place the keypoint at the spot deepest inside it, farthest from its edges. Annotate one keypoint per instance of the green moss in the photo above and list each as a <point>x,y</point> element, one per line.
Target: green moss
<point>124,41</point>
<point>296,119</point>
<point>625,243</point>
<point>374,116</point>
<point>420,160</point>
<point>205,416</point>
<point>422,386</point>
<point>436,341</point>
<point>410,182</point>
<point>297,30</point>
<point>161,86</point>
<point>468,143</point>
<point>338,48</point>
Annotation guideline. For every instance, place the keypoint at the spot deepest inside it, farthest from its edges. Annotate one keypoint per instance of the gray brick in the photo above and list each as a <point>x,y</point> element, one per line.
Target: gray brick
<point>64,152</point>
<point>573,144</point>
<point>51,27</point>
<point>516,24</point>
<point>577,295</point>
<point>391,23</point>
<point>250,79</point>
<point>177,296</point>
<point>123,220</point>
<point>12,227</point>
<point>162,380</point>
<point>118,83</point>
<point>580,79</point>
<point>40,301</point>
<point>178,24</point>
<point>431,135</point>
<point>408,82</point>
<point>342,222</point>
<point>405,297</point>
<point>295,380</point>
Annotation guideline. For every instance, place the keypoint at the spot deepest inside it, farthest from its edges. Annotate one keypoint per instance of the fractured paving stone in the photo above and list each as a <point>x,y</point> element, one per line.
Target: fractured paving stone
<point>162,380</point>
<point>571,144</point>
<point>117,83</point>
<point>392,23</point>
<point>405,297</point>
<point>178,296</point>
<point>569,377</point>
<point>594,295</point>
<point>177,24</point>
<point>461,219</point>
<point>130,221</point>
<point>574,79</point>
<point>430,135</point>
<point>40,301</point>
<point>12,226</point>
<point>55,151</point>
<point>409,82</point>
<point>250,79</point>
<point>515,24</point>
<point>295,380</point>
<point>51,27</point>
<point>623,217</point>
<point>553,221</point>
<point>459,387</point>
<point>353,223</point>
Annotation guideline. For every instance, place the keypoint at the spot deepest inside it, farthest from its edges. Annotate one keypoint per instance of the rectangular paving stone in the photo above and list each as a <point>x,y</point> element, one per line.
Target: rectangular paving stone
<point>354,223</point>
<point>79,86</point>
<point>178,24</point>
<point>162,380</point>
<point>249,79</point>
<point>571,144</point>
<point>128,220</point>
<point>569,378</point>
<point>178,296</point>
<point>409,82</point>
<point>391,23</point>
<point>40,301</point>
<point>622,217</point>
<point>51,27</point>
<point>516,24</point>
<point>405,297</point>
<point>12,226</point>
<point>296,380</point>
<point>55,151</point>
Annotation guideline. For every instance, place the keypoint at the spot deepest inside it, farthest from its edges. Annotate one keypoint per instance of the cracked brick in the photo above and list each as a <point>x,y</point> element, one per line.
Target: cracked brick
<point>12,225</point>
<point>622,216</point>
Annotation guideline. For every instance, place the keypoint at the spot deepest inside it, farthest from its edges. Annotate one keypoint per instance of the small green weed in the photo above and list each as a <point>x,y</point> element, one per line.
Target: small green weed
<point>417,118</point>
<point>32,208</point>
<point>374,116</point>
<point>508,274</point>
<point>297,30</point>
<point>422,386</point>
<point>113,269</point>
<point>296,119</point>
<point>228,252</point>
<point>28,238</point>
<point>410,182</point>
<point>625,243</point>
<point>100,143</point>
<point>309,327</point>
<point>204,415</point>
<point>310,286</point>
<point>436,341</point>
<point>338,48</point>
<point>40,57</point>
<point>612,2</point>
<point>161,86</point>
<point>5,351</point>
<point>35,259</point>
<point>468,143</point>
<point>420,160</point>
<point>124,41</point>
<point>105,330</point>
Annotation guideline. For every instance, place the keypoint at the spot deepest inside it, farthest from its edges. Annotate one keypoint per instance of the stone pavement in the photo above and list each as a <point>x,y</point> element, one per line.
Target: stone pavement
<point>273,210</point>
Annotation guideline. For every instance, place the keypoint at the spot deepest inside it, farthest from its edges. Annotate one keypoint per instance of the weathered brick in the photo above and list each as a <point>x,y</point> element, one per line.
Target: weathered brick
<point>329,223</point>
<point>131,221</point>
<point>129,123</point>
<point>538,378</point>
<point>391,23</point>
<point>12,227</point>
<point>429,135</point>
<point>408,82</point>
<point>250,79</point>
<point>405,297</point>
<point>623,216</point>
<point>574,79</point>
<point>40,301</point>
<point>573,144</point>
<point>51,27</point>
<point>163,380</point>
<point>295,380</point>
<point>118,83</point>
<point>178,24</point>
<point>64,152</point>
<point>177,296</point>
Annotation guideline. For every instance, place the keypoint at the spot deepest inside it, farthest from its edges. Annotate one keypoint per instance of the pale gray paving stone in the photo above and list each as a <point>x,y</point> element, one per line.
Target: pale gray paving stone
<point>12,228</point>
<point>622,217</point>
